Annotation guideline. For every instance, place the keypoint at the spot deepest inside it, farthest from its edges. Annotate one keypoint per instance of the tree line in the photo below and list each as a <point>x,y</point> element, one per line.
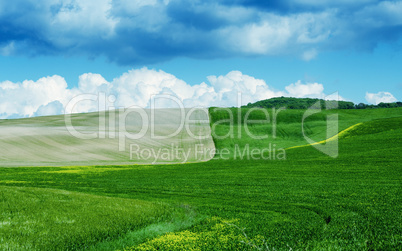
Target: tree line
<point>305,103</point>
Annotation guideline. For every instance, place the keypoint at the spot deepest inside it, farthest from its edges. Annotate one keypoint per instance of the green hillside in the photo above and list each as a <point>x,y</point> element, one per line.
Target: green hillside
<point>287,130</point>
<point>103,138</point>
<point>305,103</point>
<point>306,201</point>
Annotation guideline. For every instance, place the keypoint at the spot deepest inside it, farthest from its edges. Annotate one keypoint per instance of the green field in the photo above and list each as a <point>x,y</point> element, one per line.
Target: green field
<point>306,201</point>
<point>103,138</point>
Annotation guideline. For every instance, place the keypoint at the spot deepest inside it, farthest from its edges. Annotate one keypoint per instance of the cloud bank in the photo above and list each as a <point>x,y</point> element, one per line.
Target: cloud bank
<point>376,98</point>
<point>51,95</point>
<point>141,32</point>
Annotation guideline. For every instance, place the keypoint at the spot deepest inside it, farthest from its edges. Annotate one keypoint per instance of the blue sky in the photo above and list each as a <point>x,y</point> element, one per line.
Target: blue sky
<point>199,51</point>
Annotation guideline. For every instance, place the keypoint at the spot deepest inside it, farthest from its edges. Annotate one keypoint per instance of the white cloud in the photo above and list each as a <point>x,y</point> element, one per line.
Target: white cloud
<point>76,20</point>
<point>263,38</point>
<point>137,86</point>
<point>50,95</point>
<point>52,108</point>
<point>91,83</point>
<point>311,90</point>
<point>148,31</point>
<point>227,88</point>
<point>276,34</point>
<point>25,98</point>
<point>376,98</point>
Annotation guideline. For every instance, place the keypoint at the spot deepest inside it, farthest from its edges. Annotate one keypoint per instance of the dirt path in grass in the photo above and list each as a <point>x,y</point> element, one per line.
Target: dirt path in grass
<point>335,137</point>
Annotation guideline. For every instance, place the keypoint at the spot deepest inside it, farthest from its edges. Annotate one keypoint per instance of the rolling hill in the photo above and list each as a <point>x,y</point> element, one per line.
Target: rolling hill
<point>105,138</point>
<point>307,200</point>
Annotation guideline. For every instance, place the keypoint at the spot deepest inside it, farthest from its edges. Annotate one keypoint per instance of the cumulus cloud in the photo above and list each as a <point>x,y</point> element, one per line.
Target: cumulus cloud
<point>52,108</point>
<point>25,98</point>
<point>299,90</point>
<point>136,88</point>
<point>228,87</point>
<point>376,98</point>
<point>141,32</point>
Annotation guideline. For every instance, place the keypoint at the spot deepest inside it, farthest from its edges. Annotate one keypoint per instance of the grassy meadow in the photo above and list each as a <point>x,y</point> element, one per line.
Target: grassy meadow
<point>103,137</point>
<point>307,200</point>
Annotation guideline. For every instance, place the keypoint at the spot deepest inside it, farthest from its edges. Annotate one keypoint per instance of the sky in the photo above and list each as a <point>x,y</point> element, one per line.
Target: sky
<point>203,52</point>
